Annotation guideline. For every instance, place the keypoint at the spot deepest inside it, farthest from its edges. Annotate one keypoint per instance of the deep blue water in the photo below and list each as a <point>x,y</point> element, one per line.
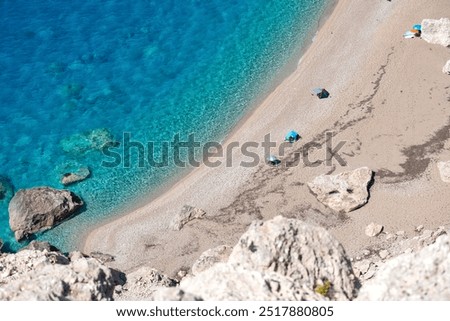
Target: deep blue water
<point>150,68</point>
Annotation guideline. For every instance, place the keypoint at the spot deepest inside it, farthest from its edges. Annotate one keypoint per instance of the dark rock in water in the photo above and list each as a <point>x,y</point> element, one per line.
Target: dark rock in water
<point>80,175</point>
<point>6,188</point>
<point>1,245</point>
<point>72,91</point>
<point>88,141</point>
<point>102,257</point>
<point>40,246</point>
<point>41,208</point>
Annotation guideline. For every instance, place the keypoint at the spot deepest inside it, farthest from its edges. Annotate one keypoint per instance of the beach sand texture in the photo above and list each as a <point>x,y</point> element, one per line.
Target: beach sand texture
<point>389,101</point>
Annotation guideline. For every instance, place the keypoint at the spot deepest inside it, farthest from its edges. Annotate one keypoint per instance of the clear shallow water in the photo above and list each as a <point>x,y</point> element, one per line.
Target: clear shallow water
<point>150,68</point>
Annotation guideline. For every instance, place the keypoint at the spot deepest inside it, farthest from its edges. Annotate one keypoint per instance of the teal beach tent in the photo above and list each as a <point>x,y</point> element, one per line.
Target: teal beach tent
<point>292,136</point>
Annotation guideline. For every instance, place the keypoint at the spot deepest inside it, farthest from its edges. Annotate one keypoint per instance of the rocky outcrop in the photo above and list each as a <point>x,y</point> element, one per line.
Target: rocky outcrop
<point>210,257</point>
<point>446,68</point>
<point>43,275</point>
<point>370,260</point>
<point>344,192</point>
<point>187,214</point>
<point>102,257</point>
<point>424,275</point>
<point>280,259</point>
<point>143,283</point>
<point>88,141</point>
<point>40,246</point>
<point>436,31</point>
<point>80,175</point>
<point>373,229</point>
<point>37,209</point>
<point>229,282</point>
<point>444,171</point>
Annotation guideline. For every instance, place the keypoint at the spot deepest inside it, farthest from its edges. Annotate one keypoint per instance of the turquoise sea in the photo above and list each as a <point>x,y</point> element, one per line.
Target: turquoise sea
<point>144,67</point>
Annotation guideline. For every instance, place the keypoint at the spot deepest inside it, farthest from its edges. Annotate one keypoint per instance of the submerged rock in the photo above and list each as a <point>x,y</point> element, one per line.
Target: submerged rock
<point>37,209</point>
<point>6,189</point>
<point>424,275</point>
<point>444,171</point>
<point>446,68</point>
<point>43,275</point>
<point>187,214</point>
<point>436,31</point>
<point>80,175</point>
<point>344,192</point>
<point>88,141</point>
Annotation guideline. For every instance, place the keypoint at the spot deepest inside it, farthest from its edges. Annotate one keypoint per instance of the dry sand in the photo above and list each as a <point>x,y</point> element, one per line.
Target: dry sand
<point>389,102</point>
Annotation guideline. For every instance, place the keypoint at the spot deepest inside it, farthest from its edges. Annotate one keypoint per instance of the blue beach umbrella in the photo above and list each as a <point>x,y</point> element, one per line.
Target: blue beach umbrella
<point>292,136</point>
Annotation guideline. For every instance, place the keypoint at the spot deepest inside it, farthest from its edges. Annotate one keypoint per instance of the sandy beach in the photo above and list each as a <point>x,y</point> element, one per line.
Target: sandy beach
<point>390,104</point>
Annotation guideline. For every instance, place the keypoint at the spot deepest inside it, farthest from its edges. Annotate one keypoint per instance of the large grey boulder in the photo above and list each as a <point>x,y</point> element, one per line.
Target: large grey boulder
<point>43,275</point>
<point>280,259</point>
<point>444,171</point>
<point>344,192</point>
<point>436,31</point>
<point>306,254</point>
<point>37,209</point>
<point>424,275</point>
<point>187,214</point>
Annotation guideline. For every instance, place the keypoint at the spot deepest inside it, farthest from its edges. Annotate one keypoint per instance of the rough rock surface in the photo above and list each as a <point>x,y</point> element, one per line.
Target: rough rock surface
<point>36,209</point>
<point>344,192</point>
<point>424,275</point>
<point>43,275</point>
<point>436,31</point>
<point>446,68</point>
<point>372,259</point>
<point>102,257</point>
<point>307,254</point>
<point>211,257</point>
<point>231,283</point>
<point>187,214</point>
<point>444,171</point>
<point>373,229</point>
<point>80,175</point>
<point>142,284</point>
<point>280,259</point>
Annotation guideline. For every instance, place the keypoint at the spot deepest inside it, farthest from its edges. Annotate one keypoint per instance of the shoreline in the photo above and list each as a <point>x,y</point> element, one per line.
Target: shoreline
<point>287,70</point>
<point>366,100</point>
